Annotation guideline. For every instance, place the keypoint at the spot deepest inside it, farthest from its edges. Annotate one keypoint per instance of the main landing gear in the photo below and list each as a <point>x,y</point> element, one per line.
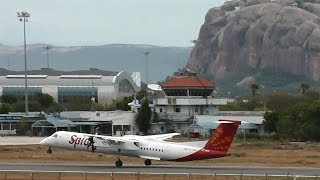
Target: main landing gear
<point>147,162</point>
<point>118,162</point>
<point>49,151</point>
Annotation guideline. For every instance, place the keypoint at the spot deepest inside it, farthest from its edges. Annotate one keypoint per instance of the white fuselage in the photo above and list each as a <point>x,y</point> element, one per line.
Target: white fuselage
<point>158,150</point>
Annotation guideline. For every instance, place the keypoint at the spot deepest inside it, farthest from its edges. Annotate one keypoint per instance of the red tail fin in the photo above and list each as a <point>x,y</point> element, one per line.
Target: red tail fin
<point>222,137</point>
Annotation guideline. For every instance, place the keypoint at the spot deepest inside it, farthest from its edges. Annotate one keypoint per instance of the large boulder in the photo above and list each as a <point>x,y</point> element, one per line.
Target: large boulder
<point>243,37</point>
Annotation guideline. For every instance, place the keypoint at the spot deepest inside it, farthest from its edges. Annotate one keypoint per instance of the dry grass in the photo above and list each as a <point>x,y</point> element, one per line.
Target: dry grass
<point>252,154</point>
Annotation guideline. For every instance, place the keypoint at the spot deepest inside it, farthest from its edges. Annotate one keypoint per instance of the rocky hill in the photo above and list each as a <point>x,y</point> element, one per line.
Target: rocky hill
<point>259,39</point>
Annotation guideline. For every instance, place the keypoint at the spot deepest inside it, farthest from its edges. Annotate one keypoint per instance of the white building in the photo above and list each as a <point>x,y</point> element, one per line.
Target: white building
<point>178,101</point>
<point>65,86</point>
<point>115,123</point>
<point>9,122</point>
<point>251,121</point>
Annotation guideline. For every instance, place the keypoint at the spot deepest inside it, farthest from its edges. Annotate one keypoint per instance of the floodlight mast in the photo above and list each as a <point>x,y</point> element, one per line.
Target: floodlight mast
<point>146,54</point>
<point>47,48</point>
<point>23,17</point>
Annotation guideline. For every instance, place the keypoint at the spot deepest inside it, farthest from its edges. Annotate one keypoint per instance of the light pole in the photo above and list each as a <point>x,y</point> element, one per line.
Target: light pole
<point>47,48</point>
<point>146,54</point>
<point>23,17</point>
<point>244,136</point>
<point>8,62</point>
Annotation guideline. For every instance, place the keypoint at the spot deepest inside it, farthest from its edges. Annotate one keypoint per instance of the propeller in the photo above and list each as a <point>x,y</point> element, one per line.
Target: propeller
<point>91,143</point>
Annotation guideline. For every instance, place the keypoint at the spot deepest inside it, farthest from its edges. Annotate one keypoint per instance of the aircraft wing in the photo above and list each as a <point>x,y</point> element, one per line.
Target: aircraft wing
<point>120,142</point>
<point>160,137</point>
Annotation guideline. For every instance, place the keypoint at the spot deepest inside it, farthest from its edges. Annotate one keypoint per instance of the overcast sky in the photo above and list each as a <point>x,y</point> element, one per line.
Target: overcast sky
<point>99,22</point>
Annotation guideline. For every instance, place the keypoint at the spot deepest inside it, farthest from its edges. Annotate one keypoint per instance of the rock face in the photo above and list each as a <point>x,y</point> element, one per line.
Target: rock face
<point>243,37</point>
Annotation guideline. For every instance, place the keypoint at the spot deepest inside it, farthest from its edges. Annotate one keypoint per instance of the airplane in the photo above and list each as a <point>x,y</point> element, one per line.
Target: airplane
<point>150,147</point>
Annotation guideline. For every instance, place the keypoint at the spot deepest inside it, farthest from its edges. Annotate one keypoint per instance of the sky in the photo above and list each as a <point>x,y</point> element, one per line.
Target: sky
<point>100,22</point>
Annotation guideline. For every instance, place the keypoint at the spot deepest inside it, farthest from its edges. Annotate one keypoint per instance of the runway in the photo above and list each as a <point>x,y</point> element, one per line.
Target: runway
<point>130,168</point>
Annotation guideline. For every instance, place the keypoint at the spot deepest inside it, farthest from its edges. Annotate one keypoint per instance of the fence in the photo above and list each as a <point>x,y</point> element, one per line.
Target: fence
<point>70,175</point>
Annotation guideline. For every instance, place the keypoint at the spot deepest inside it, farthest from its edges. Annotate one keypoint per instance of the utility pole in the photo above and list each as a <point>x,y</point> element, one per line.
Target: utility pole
<point>47,48</point>
<point>9,62</point>
<point>23,17</point>
<point>146,54</point>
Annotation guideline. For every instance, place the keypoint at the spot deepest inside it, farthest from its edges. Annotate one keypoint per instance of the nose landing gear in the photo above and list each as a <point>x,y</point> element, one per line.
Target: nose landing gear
<point>118,163</point>
<point>49,151</point>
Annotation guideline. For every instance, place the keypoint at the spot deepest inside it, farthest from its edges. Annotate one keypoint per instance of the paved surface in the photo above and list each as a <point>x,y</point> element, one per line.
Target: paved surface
<point>19,140</point>
<point>103,168</point>
<point>62,167</point>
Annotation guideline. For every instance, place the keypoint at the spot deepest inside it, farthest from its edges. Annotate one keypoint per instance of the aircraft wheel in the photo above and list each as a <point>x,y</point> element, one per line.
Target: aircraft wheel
<point>49,151</point>
<point>147,162</point>
<point>118,163</point>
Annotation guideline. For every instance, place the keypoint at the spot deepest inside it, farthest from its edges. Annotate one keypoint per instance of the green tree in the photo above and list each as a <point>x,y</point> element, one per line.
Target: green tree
<point>294,122</point>
<point>55,107</point>
<point>98,107</point>
<point>312,127</point>
<point>270,121</point>
<point>5,108</point>
<point>312,95</point>
<point>8,98</point>
<point>144,116</point>
<point>19,106</point>
<point>45,100</point>
<point>254,88</point>
<point>299,3</point>
<point>141,94</point>
<point>280,100</point>
<point>304,88</point>
<point>230,106</point>
<point>23,127</point>
<point>35,106</point>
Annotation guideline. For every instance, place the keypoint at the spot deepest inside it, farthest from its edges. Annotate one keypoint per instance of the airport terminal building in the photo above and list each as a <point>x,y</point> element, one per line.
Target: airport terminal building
<point>65,86</point>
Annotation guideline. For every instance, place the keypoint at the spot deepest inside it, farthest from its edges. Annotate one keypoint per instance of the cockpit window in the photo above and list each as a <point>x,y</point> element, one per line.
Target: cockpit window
<point>55,135</point>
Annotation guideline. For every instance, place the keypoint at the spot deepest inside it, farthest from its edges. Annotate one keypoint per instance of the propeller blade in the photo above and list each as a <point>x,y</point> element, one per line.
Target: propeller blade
<point>91,143</point>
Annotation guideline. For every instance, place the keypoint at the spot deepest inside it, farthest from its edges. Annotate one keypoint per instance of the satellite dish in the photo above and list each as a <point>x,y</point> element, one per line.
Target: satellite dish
<point>155,87</point>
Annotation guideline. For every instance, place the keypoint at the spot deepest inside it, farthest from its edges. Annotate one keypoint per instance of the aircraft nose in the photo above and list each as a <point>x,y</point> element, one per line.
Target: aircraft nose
<point>44,141</point>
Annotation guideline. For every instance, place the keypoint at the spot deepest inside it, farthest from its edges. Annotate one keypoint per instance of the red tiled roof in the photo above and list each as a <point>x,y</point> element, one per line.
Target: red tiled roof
<point>186,81</point>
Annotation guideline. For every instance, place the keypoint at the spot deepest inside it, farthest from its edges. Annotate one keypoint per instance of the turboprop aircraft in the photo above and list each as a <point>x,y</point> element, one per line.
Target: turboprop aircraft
<point>151,147</point>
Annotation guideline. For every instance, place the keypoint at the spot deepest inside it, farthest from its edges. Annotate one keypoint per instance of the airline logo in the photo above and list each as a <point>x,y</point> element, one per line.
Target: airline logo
<point>220,142</point>
<point>79,141</point>
<point>222,137</point>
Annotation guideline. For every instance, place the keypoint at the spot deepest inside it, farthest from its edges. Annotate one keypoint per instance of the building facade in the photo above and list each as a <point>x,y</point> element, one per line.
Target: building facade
<point>177,102</point>
<point>65,86</point>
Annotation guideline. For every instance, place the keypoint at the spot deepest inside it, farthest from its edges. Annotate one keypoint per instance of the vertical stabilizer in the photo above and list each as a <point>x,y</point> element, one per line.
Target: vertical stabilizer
<point>222,137</point>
